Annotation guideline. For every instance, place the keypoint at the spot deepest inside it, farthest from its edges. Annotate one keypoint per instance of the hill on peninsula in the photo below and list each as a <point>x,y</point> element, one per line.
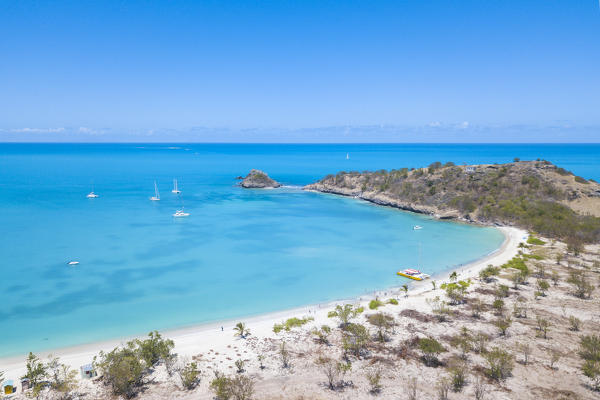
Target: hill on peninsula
<point>535,195</point>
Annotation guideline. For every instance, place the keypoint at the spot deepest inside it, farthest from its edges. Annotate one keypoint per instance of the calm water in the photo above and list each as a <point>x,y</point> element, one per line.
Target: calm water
<point>241,252</point>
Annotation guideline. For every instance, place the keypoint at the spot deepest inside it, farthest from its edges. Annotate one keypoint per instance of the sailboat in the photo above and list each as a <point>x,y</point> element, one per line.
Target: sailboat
<point>347,156</point>
<point>175,188</point>
<point>181,213</point>
<point>92,195</point>
<point>156,196</point>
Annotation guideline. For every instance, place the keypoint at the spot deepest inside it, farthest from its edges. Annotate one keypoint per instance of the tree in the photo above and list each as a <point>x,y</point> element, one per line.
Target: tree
<point>555,278</point>
<point>405,288</point>
<point>458,375</point>
<point>239,364</point>
<point>575,323</point>
<point>241,387</point>
<point>331,369</point>
<point>155,349</point>
<point>554,356</point>
<point>355,339</point>
<point>500,363</point>
<point>543,286</point>
<point>241,330</point>
<point>344,314</point>
<point>479,388</point>
<point>383,323</point>
<point>220,385</point>
<point>322,334</point>
<point>581,286</point>
<point>374,379</point>
<point>542,326</point>
<point>589,351</point>
<point>503,323</point>
<point>122,369</point>
<point>62,377</point>
<point>36,373</point>
<point>189,375</point>
<point>453,276</point>
<point>430,348</point>
<point>413,386</point>
<point>285,356</point>
<point>525,348</point>
<point>443,387</point>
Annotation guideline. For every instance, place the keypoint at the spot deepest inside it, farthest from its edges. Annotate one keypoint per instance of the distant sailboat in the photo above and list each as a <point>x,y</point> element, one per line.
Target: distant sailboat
<point>347,156</point>
<point>92,195</point>
<point>181,213</point>
<point>175,188</point>
<point>156,196</point>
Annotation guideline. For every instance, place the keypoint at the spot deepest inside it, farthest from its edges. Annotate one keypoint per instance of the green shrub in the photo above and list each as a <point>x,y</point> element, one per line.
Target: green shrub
<point>374,304</point>
<point>500,363</point>
<point>123,369</point>
<point>430,348</point>
<point>535,241</point>
<point>189,375</point>
<point>589,351</point>
<point>155,348</point>
<point>393,301</point>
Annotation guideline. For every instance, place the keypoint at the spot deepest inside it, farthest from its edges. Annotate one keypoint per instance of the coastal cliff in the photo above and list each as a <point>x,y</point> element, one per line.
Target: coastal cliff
<point>534,195</point>
<point>257,179</point>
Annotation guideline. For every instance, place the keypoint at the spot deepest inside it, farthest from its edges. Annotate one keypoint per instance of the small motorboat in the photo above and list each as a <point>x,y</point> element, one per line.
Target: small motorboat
<point>413,274</point>
<point>417,227</point>
<point>73,263</point>
<point>91,195</point>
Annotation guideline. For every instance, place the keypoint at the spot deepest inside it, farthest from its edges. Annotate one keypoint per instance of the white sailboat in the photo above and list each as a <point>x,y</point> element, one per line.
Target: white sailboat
<point>92,195</point>
<point>175,188</point>
<point>347,156</point>
<point>156,196</point>
<point>181,213</point>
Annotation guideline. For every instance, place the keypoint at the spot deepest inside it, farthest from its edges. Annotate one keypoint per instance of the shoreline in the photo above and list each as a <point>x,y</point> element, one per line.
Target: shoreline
<point>202,338</point>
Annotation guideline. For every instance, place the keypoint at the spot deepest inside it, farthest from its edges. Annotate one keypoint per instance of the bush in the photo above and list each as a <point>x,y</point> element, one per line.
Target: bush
<point>488,272</point>
<point>575,323</point>
<point>582,288</point>
<point>322,334</point>
<point>36,373</point>
<point>123,369</point>
<point>534,240</point>
<point>240,387</point>
<point>503,324</point>
<point>589,351</point>
<point>291,323</point>
<point>189,375</point>
<point>345,313</point>
<point>374,379</point>
<point>374,304</point>
<point>458,376</point>
<point>430,348</point>
<point>383,323</point>
<point>500,364</point>
<point>155,348</point>
<point>355,339</point>
<point>393,301</point>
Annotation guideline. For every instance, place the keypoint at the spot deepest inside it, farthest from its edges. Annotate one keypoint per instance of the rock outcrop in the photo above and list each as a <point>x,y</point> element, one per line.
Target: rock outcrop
<point>257,179</point>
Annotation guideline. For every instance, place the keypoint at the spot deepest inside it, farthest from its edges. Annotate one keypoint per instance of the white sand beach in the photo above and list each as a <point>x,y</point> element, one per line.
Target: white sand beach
<point>218,337</point>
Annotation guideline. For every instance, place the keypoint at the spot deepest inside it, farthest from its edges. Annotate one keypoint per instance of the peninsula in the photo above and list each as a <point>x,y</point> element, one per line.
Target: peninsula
<point>533,195</point>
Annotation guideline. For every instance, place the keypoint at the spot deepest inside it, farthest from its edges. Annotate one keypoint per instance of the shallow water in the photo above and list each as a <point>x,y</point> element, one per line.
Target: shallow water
<point>239,253</point>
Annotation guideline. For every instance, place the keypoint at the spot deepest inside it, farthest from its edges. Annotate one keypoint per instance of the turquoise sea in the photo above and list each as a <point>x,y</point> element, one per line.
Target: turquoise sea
<point>239,253</point>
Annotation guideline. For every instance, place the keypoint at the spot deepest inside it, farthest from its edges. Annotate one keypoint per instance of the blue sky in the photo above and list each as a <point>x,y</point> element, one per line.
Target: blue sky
<point>420,70</point>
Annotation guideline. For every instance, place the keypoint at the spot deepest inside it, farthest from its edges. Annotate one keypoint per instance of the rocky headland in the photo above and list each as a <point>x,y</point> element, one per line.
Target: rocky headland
<point>533,195</point>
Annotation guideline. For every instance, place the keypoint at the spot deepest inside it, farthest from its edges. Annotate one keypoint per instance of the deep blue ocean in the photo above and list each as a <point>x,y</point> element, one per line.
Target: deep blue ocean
<point>239,253</point>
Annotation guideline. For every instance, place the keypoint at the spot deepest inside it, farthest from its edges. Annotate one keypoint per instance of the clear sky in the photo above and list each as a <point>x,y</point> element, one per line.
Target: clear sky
<point>283,70</point>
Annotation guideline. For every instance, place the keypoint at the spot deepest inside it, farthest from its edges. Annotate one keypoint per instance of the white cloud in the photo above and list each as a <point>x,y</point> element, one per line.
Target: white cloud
<point>37,130</point>
<point>464,125</point>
